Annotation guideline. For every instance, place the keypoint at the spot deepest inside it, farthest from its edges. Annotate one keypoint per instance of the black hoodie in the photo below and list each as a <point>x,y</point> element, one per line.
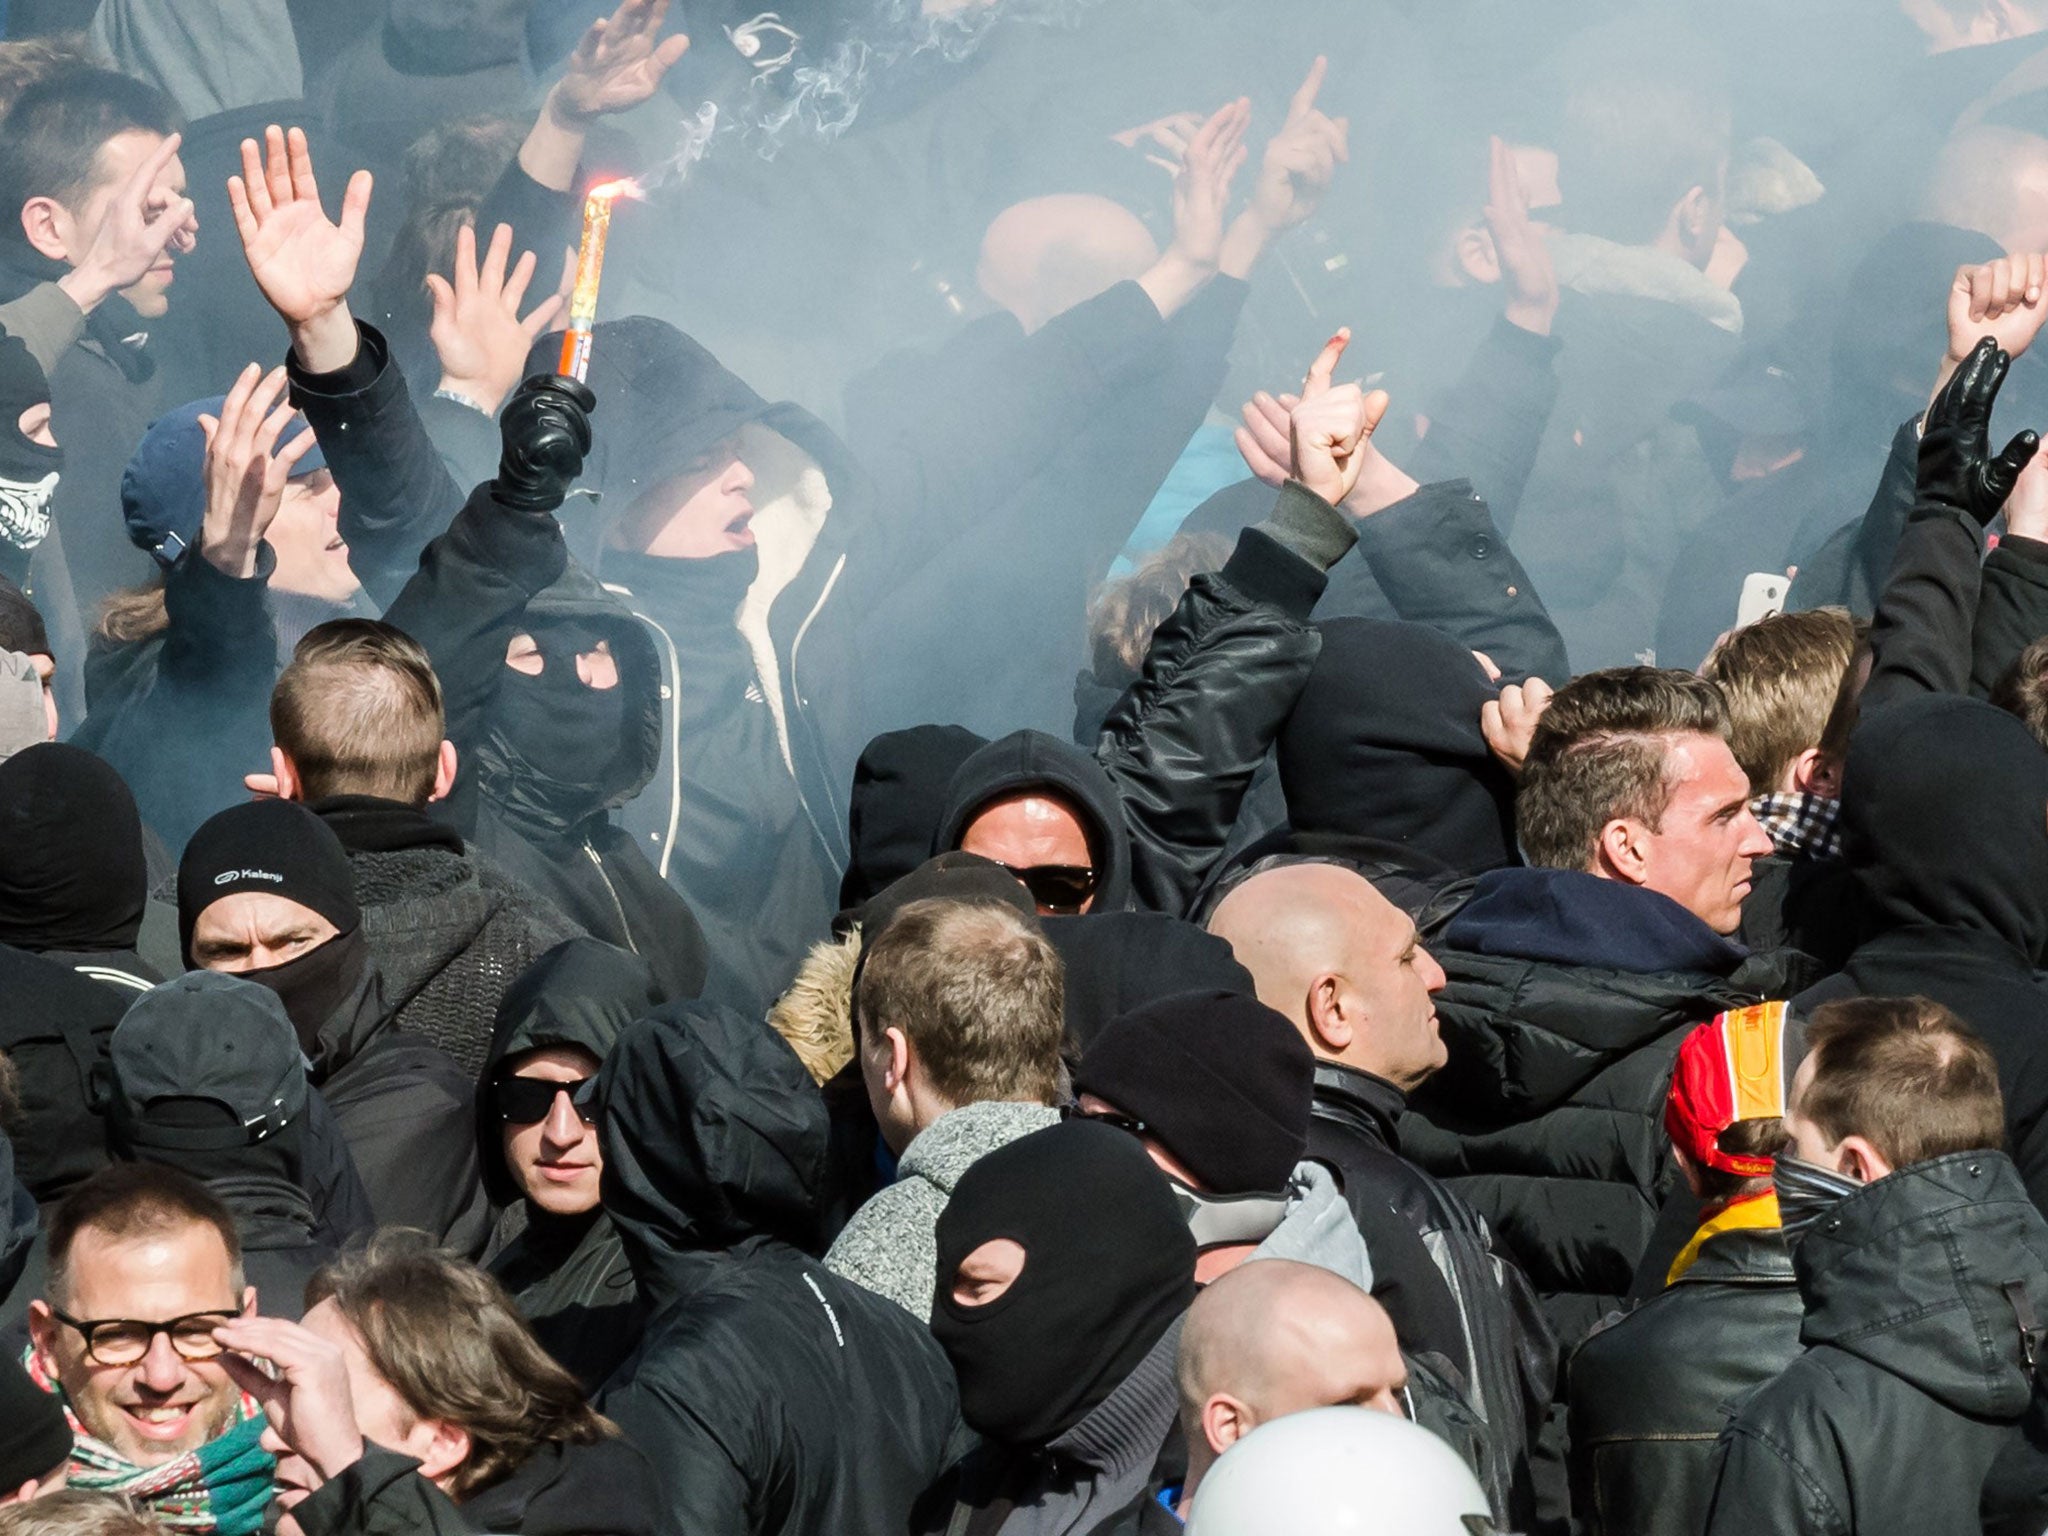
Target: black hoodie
<point>1945,821</point>
<point>1034,760</point>
<point>568,1274</point>
<point>1923,1294</point>
<point>494,573</point>
<point>771,1395</point>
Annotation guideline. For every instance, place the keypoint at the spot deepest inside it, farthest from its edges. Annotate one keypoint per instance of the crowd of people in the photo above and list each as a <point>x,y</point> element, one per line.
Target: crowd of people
<point>1314,815</point>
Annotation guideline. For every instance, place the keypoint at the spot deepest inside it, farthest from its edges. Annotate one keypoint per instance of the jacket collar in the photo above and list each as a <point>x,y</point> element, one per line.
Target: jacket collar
<point>1567,917</point>
<point>1368,1104</point>
<point>369,824</point>
<point>1741,1256</point>
<point>1122,1434</point>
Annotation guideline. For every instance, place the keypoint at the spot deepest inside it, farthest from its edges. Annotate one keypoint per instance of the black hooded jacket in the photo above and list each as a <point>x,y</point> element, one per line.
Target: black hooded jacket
<point>1924,1293</point>
<point>771,1395</point>
<point>1945,816</point>
<point>568,1274</point>
<point>74,880</point>
<point>494,573</point>
<point>1567,998</point>
<point>1033,760</point>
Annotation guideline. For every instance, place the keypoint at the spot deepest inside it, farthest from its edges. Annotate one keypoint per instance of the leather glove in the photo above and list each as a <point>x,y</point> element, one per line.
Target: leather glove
<point>1957,469</point>
<point>545,428</point>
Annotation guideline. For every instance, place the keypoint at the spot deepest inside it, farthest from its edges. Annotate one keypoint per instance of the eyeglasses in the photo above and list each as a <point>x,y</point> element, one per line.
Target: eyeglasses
<point>1115,1117</point>
<point>1061,890</point>
<point>530,1100</point>
<point>124,1340</point>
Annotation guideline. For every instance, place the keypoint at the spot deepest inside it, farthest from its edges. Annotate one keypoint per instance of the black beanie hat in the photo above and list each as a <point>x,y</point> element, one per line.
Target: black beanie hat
<point>267,845</point>
<point>1221,1081</point>
<point>34,1439</point>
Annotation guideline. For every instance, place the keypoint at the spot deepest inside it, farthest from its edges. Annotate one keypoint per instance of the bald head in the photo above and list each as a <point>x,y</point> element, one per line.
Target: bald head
<point>1043,256</point>
<point>1342,962</point>
<point>1274,1337</point>
<point>1995,181</point>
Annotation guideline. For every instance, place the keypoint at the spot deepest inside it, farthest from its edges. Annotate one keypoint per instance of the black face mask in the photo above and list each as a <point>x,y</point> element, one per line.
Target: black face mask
<point>555,726</point>
<point>28,470</point>
<point>1109,1265</point>
<point>316,986</point>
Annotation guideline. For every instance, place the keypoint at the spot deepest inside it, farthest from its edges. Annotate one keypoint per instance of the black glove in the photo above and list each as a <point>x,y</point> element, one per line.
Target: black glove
<point>1957,470</point>
<point>546,431</point>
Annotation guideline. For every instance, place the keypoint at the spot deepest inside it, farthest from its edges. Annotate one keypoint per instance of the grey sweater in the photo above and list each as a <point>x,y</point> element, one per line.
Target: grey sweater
<point>891,1246</point>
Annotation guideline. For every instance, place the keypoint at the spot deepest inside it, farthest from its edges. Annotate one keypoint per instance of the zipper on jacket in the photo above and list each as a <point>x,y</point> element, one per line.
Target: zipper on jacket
<point>611,891</point>
<point>671,717</point>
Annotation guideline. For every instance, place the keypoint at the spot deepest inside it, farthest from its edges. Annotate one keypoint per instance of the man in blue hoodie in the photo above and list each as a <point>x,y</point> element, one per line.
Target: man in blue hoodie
<point>1571,980</point>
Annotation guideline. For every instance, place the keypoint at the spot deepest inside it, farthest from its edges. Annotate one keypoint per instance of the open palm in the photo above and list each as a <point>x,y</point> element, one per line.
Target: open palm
<point>303,261</point>
<point>620,62</point>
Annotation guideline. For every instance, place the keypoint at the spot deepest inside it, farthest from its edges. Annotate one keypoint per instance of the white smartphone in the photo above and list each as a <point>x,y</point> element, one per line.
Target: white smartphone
<point>1763,594</point>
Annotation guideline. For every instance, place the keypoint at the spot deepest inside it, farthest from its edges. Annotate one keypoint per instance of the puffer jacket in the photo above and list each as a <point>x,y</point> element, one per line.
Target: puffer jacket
<point>771,1395</point>
<point>1651,1392</point>
<point>568,1274</point>
<point>891,1246</point>
<point>1567,998</point>
<point>1923,1297</point>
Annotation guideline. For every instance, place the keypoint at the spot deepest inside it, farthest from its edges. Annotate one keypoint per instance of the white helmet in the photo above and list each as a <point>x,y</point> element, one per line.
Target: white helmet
<point>1340,1472</point>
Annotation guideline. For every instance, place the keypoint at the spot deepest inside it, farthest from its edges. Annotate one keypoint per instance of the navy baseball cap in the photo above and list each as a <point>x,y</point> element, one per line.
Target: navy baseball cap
<point>163,489</point>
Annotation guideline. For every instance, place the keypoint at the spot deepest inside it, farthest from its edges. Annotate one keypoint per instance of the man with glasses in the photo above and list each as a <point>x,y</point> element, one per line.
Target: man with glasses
<point>144,1265</point>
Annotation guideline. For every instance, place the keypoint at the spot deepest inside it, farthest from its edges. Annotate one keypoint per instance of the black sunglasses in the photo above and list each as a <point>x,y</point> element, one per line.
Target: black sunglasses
<point>1059,889</point>
<point>529,1100</point>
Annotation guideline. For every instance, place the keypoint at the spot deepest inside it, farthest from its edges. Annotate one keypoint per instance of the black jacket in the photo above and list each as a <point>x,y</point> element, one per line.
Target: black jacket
<point>1178,751</point>
<point>449,931</point>
<point>1923,1293</point>
<point>494,571</point>
<point>1652,1391</point>
<point>568,1275</point>
<point>1945,822</point>
<point>1567,999</point>
<point>282,1240</point>
<point>1435,1270</point>
<point>404,1109</point>
<point>771,1395</point>
<point>185,713</point>
<point>605,1488</point>
<point>54,1030</point>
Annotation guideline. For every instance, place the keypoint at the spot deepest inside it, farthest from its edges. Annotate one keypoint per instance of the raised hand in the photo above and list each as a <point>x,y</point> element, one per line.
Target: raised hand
<point>303,261</point>
<point>1164,140</point>
<point>1332,425</point>
<point>545,431</point>
<point>143,221</point>
<point>1201,197</point>
<point>1265,441</point>
<point>245,470</point>
<point>1957,467</point>
<point>1509,722</point>
<point>477,330</point>
<point>618,64</point>
<point>1302,159</point>
<point>1525,266</point>
<point>305,1395</point>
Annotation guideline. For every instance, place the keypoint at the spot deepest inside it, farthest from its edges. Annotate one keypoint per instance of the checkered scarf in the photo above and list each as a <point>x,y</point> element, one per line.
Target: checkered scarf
<point>1803,826</point>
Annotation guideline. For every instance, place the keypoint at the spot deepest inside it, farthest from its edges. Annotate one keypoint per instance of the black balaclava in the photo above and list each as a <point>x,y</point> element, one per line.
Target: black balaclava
<point>1945,818</point>
<point>316,987</point>
<point>568,735</point>
<point>1109,1266</point>
<point>28,470</point>
<point>72,872</point>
